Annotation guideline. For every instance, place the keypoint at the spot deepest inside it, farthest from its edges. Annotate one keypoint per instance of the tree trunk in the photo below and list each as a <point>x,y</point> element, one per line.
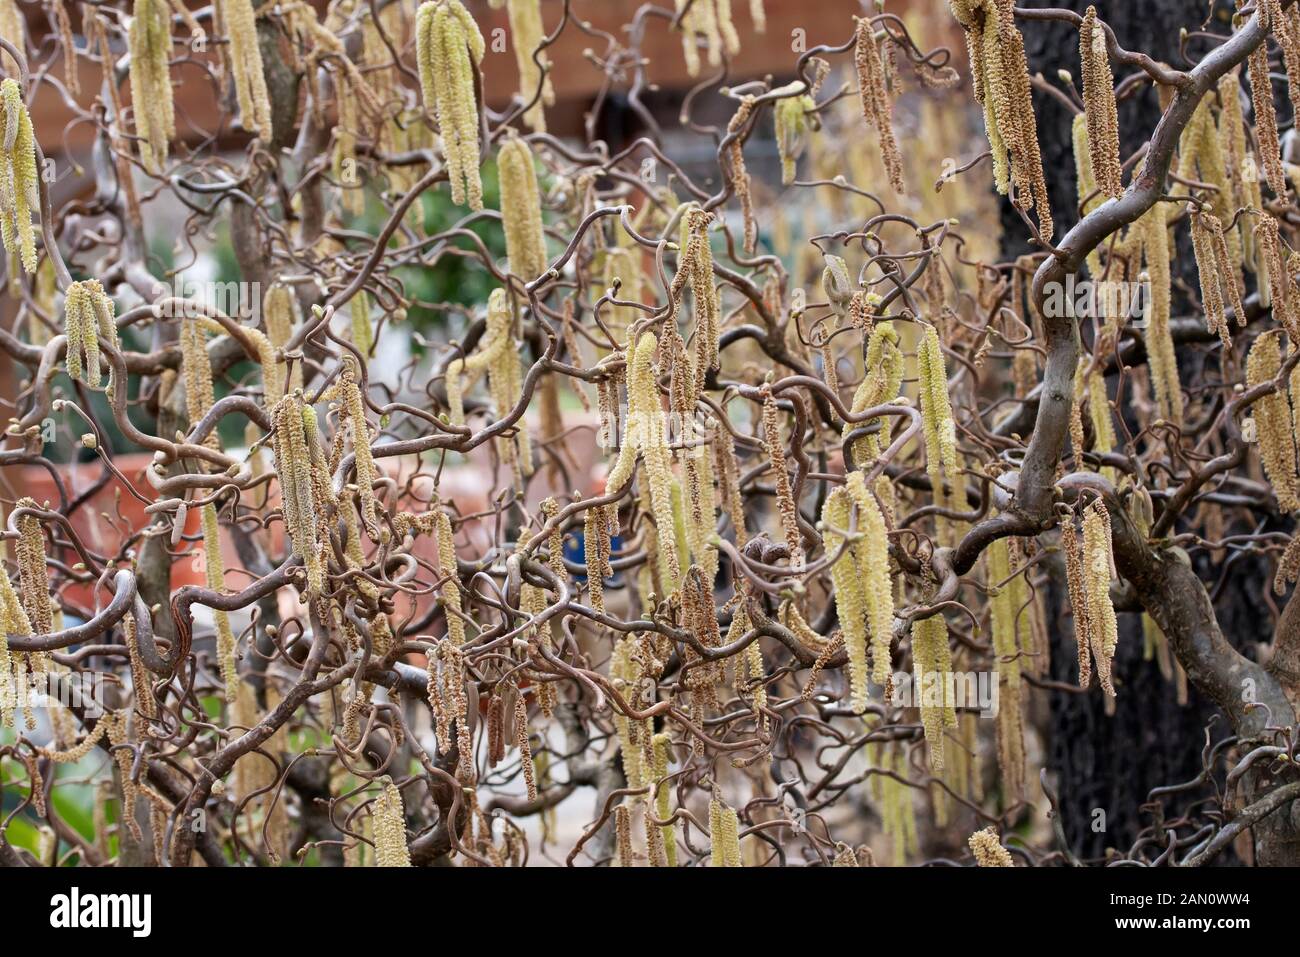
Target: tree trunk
<point>1107,764</point>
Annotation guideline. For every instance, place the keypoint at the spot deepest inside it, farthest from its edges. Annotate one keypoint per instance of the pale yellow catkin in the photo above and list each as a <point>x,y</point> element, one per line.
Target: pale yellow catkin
<point>988,850</point>
<point>1103,630</point>
<point>293,467</point>
<point>1160,343</point>
<point>18,177</point>
<point>151,88</point>
<point>521,210</point>
<point>1000,73</point>
<point>389,825</point>
<point>449,48</point>
<point>450,589</point>
<point>932,664</point>
<point>724,827</point>
<point>245,58</point>
<point>939,426</point>
<point>1277,449</point>
<point>1004,615</point>
<point>791,118</point>
<point>527,35</point>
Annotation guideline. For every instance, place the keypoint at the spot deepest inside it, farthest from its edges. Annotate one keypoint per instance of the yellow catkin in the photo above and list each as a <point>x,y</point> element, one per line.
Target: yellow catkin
<point>1160,343</point>
<point>215,572</point>
<point>355,407</point>
<point>1099,99</point>
<point>877,108</point>
<point>1103,428</point>
<point>1243,170</point>
<point>791,118</point>
<point>849,591</point>
<point>644,436</point>
<point>1078,598</point>
<point>390,828</point>
<point>1202,158</point>
<point>881,384</point>
<point>196,371</point>
<point>727,467</point>
<point>1276,439</point>
<point>1089,195</point>
<point>897,810</point>
<point>293,467</point>
<point>872,552</point>
<point>1001,77</point>
<point>151,88</point>
<point>18,184</point>
<point>1103,631</point>
<point>527,35</point>
<point>932,664</point>
<point>33,582</point>
<point>521,210</point>
<point>939,427</point>
<point>13,27</point>
<point>724,827</point>
<point>449,48</point>
<point>661,746</point>
<point>450,590</point>
<point>245,58</point>
<point>988,850</point>
<point>1004,614</point>
<point>1219,280</point>
<point>710,19</point>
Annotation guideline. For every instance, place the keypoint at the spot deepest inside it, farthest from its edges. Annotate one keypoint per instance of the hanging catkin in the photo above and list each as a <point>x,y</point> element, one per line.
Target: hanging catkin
<point>1261,97</point>
<point>449,48</point>
<point>1202,158</point>
<point>932,667</point>
<point>739,175</point>
<point>1004,622</point>
<point>18,189</point>
<point>1000,73</point>
<point>521,210</point>
<point>877,107</point>
<point>527,35</point>
<point>151,88</point>
<point>390,828</point>
<point>1103,631</point>
<point>1217,276</point>
<point>245,57</point>
<point>723,834</point>
<point>644,436</point>
<point>1099,100</point>
<point>293,467</point>
<point>787,507</point>
<point>1160,343</point>
<point>791,118</point>
<point>936,413</point>
<point>1276,438</point>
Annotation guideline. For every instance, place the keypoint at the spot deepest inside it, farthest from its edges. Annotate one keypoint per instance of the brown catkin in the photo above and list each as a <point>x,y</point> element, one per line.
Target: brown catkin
<point>1099,100</point>
<point>1261,97</point>
<point>739,174</point>
<point>1103,632</point>
<point>877,107</point>
<point>787,508</point>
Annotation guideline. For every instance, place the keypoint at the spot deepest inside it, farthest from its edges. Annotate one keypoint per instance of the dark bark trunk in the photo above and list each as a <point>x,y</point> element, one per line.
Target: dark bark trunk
<point>1110,762</point>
